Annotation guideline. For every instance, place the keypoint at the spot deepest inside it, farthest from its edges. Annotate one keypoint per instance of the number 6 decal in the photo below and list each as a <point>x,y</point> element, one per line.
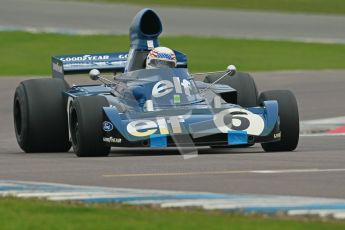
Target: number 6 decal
<point>239,119</point>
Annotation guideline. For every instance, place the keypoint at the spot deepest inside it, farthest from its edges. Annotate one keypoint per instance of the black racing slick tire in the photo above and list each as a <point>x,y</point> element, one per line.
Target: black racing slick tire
<point>247,93</point>
<point>289,120</point>
<point>85,121</point>
<point>40,116</point>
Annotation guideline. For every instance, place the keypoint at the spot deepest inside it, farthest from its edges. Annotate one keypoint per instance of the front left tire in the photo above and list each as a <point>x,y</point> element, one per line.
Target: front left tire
<point>85,121</point>
<point>289,120</point>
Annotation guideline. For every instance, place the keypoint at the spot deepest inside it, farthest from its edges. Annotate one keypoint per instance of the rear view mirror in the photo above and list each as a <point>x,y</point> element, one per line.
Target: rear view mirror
<point>231,69</point>
<point>94,74</point>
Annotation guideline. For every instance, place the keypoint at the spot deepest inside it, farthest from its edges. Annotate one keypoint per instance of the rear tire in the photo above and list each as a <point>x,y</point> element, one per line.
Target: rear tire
<point>289,120</point>
<point>40,117</point>
<point>86,117</point>
<point>247,93</point>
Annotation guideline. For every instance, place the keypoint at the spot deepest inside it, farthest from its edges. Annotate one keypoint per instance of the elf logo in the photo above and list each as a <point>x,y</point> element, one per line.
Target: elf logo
<point>165,87</point>
<point>224,121</point>
<point>143,128</point>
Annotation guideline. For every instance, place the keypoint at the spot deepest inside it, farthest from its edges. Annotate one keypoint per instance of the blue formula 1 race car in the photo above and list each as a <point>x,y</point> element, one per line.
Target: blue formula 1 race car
<point>149,107</point>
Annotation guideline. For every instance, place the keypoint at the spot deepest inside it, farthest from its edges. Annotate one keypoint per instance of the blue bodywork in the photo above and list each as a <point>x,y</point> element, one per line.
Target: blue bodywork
<point>150,107</point>
<point>175,101</point>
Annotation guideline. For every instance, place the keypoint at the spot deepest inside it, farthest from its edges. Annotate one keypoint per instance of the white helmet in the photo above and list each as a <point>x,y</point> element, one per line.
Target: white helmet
<point>161,57</point>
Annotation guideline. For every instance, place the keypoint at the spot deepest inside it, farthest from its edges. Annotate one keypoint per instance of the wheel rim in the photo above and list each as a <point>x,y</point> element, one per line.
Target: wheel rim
<point>76,133</point>
<point>17,118</point>
<point>74,130</point>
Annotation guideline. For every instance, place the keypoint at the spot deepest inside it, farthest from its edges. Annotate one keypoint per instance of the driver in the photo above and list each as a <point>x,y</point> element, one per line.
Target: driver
<point>161,57</point>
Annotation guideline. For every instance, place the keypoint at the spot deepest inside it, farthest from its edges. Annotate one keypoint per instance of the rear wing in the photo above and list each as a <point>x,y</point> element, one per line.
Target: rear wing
<point>104,62</point>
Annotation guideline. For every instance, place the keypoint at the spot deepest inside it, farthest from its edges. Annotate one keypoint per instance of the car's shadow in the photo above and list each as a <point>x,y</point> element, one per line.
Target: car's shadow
<point>125,152</point>
<point>132,152</point>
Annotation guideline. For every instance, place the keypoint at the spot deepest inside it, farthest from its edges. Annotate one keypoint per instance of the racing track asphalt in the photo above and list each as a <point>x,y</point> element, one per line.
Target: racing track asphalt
<point>75,17</point>
<point>315,169</point>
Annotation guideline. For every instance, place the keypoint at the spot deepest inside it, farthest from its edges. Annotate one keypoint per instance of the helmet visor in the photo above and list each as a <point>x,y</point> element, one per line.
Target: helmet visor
<point>159,63</point>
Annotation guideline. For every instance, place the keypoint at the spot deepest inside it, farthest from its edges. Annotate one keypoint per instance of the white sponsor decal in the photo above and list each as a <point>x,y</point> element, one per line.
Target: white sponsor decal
<point>96,64</point>
<point>112,140</point>
<point>277,135</point>
<point>123,56</point>
<point>143,128</point>
<point>239,119</point>
<point>86,57</point>
<point>242,119</point>
<point>150,44</point>
<point>165,87</point>
<point>57,67</point>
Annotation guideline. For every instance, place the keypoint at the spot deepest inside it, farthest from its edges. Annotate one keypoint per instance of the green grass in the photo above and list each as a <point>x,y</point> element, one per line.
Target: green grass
<point>30,54</point>
<point>309,6</point>
<point>34,214</point>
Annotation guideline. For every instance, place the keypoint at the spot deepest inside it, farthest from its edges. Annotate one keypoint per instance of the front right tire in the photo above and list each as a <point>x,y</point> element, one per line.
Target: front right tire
<point>247,93</point>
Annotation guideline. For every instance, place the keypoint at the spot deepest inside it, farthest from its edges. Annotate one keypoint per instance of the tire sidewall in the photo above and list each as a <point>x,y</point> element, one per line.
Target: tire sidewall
<point>43,115</point>
<point>20,100</point>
